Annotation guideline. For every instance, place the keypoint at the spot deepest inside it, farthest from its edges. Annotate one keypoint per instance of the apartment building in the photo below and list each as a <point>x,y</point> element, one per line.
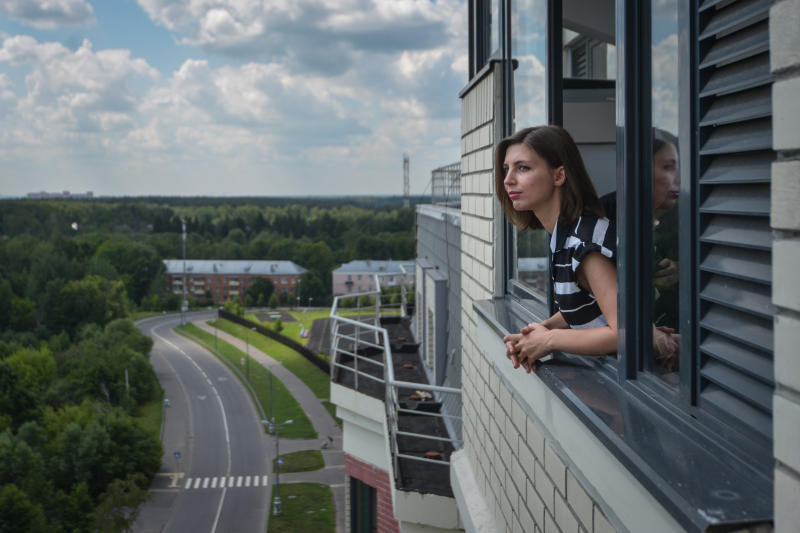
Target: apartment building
<point>221,280</point>
<point>620,443</point>
<point>359,275</point>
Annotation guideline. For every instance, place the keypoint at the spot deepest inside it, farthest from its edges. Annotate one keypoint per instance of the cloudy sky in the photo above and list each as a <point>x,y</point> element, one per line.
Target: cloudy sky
<point>223,97</point>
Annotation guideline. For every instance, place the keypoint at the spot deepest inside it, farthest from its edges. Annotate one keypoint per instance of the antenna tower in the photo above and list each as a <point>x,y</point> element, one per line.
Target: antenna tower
<point>406,183</point>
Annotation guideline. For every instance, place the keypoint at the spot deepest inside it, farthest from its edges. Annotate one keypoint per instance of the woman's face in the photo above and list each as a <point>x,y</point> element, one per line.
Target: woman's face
<point>529,180</point>
<point>666,179</point>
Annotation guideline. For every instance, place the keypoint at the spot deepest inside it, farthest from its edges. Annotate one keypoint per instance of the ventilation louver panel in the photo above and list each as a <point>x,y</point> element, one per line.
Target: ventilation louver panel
<point>735,340</point>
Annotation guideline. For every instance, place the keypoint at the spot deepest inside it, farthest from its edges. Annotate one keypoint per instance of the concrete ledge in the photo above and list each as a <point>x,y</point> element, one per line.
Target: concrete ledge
<point>475,514</point>
<point>357,403</point>
<point>426,510</point>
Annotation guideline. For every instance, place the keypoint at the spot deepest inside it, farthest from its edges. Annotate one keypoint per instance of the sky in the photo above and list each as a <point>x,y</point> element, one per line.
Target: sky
<point>228,97</point>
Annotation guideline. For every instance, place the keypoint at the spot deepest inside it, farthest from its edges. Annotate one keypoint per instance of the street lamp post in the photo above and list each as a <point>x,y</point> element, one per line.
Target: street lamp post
<point>184,307</point>
<point>276,500</point>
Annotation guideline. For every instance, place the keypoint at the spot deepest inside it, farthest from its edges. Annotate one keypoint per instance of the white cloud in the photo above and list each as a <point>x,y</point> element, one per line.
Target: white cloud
<point>48,14</point>
<point>665,84</point>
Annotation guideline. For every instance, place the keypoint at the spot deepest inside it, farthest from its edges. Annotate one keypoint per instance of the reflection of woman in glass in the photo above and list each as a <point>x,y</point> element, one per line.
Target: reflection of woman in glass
<point>666,182</point>
<point>541,181</point>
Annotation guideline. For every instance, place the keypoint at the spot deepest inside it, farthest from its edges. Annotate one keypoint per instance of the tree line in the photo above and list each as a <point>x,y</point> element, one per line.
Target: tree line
<point>126,240</point>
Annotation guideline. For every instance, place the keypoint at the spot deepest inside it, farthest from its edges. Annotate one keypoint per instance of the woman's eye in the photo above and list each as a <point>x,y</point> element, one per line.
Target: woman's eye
<point>524,168</point>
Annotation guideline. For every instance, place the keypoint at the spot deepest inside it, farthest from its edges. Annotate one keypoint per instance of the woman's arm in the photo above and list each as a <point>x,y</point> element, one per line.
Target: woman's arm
<point>599,275</point>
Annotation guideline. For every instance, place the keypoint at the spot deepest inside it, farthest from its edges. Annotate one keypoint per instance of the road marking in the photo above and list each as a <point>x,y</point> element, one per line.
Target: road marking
<point>225,482</point>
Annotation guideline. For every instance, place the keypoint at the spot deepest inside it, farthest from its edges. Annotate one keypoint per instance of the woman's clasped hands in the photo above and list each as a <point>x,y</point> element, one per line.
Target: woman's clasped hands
<point>528,346</point>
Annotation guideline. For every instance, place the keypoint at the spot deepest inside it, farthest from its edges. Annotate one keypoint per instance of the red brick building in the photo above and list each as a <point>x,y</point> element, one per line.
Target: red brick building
<point>220,280</point>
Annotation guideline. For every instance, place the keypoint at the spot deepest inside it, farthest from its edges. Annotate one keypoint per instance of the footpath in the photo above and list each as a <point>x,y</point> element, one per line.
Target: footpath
<point>325,426</point>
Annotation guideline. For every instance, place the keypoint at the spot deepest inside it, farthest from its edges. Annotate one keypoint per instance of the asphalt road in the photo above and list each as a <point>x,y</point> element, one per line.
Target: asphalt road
<point>220,481</point>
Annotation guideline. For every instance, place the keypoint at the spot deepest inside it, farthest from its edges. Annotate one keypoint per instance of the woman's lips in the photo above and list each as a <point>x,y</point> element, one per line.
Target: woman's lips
<point>514,195</point>
<point>674,194</point>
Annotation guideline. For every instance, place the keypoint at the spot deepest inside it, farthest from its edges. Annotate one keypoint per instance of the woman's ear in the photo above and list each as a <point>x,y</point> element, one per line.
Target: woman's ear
<point>559,176</point>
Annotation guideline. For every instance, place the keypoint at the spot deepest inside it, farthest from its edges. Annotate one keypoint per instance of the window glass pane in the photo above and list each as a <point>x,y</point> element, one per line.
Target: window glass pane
<point>666,185</point>
<point>494,31</point>
<point>528,44</point>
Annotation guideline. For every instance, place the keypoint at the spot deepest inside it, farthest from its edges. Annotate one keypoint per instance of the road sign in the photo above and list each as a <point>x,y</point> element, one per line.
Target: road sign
<point>177,455</point>
<point>280,460</point>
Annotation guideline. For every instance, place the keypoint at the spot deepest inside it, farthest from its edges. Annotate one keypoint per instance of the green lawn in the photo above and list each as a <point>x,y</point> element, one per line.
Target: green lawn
<point>285,406</point>
<point>302,461</point>
<point>306,507</point>
<point>149,415</point>
<point>317,380</point>
<point>331,407</point>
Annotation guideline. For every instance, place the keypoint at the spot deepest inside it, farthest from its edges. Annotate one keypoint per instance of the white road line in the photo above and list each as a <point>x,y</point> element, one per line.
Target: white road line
<point>213,482</point>
<point>255,481</point>
<point>239,481</point>
<point>205,483</point>
<point>188,484</point>
<point>222,480</point>
<point>224,423</point>
<point>230,481</point>
<point>247,481</point>
<point>197,483</point>
<point>265,481</point>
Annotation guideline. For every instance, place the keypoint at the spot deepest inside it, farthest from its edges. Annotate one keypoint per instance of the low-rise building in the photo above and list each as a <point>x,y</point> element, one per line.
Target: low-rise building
<point>219,280</point>
<point>359,275</point>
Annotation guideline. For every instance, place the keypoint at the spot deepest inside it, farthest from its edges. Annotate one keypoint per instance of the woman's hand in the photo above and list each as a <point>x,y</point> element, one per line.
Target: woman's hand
<point>528,346</point>
<point>667,274</point>
<point>667,347</point>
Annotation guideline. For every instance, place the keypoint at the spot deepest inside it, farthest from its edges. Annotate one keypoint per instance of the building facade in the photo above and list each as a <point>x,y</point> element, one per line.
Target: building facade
<point>359,275</point>
<point>221,280</point>
<point>625,443</point>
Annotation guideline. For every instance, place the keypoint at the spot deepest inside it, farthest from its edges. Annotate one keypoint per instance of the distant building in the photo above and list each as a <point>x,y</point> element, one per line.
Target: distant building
<point>359,276</point>
<point>220,280</point>
<point>64,195</point>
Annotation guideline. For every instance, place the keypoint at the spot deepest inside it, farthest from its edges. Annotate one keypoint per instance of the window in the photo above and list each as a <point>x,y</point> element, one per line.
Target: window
<point>363,507</point>
<point>679,138</point>
<point>484,33</point>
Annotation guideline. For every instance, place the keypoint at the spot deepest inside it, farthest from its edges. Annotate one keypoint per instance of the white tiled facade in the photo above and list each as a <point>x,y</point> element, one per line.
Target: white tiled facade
<point>518,475</point>
<point>785,221</point>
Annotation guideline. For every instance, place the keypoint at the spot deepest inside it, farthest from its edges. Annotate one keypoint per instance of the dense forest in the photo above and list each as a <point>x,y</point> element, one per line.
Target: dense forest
<point>75,371</point>
<point>126,240</point>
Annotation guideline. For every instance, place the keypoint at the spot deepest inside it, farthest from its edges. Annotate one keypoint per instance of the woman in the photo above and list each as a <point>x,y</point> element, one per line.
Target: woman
<point>541,181</point>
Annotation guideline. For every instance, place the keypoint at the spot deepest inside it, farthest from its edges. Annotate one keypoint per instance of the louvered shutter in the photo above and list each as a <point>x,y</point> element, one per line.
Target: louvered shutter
<point>735,363</point>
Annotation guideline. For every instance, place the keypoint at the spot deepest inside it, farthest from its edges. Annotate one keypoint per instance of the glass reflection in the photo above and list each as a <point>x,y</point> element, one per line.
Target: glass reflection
<point>666,185</point>
<point>528,44</point>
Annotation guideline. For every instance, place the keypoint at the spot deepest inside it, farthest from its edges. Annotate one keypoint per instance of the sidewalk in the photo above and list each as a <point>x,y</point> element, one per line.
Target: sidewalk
<point>321,420</point>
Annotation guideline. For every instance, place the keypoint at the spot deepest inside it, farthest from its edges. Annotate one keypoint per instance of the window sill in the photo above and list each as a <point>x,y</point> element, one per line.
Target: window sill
<point>646,467</point>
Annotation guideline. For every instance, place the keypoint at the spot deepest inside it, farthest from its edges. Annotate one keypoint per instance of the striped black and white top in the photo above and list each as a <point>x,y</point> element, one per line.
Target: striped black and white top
<point>569,245</point>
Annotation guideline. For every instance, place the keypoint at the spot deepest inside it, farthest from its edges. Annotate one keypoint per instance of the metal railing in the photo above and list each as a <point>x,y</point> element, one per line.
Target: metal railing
<point>351,334</point>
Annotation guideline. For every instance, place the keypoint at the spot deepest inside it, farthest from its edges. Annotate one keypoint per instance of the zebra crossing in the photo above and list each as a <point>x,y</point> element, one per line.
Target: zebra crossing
<point>221,482</point>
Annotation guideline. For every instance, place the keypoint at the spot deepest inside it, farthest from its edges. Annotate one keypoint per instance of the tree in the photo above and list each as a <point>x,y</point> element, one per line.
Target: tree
<point>90,300</point>
<point>278,325</point>
<point>273,301</point>
<point>118,507</point>
<point>18,514</point>
<point>261,289</point>
<point>138,265</point>
<point>22,315</point>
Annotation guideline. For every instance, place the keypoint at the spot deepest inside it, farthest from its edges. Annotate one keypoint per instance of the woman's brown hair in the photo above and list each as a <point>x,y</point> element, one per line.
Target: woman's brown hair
<point>556,146</point>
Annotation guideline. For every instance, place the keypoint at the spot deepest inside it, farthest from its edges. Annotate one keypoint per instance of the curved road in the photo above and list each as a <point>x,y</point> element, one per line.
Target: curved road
<point>219,481</point>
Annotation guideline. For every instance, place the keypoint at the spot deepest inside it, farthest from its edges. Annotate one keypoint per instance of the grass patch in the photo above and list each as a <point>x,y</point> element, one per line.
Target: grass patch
<point>302,461</point>
<point>149,415</point>
<point>285,406</point>
<point>306,507</point>
<point>317,380</point>
<point>331,407</point>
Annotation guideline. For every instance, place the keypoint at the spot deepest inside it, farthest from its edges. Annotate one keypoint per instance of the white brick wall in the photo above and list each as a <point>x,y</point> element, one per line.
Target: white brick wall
<point>525,483</point>
<point>785,62</point>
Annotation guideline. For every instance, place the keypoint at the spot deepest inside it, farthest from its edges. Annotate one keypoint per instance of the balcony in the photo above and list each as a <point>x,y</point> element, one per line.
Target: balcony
<point>378,379</point>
